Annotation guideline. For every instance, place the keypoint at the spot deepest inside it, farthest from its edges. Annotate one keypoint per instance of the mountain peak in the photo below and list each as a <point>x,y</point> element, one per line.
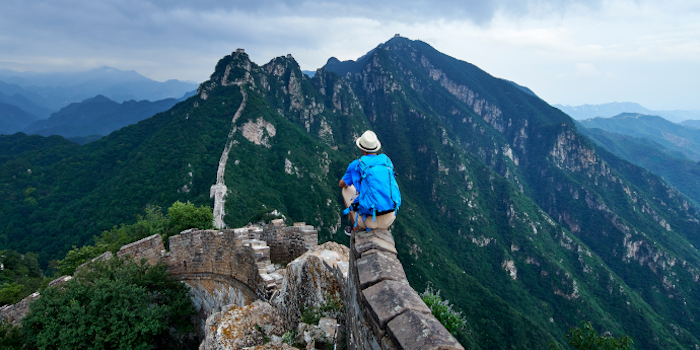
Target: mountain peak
<point>98,98</point>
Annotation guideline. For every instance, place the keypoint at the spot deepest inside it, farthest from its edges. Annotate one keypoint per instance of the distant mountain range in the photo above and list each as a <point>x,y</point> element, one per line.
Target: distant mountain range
<point>692,123</point>
<point>664,148</point>
<point>13,119</point>
<point>25,104</point>
<point>97,116</point>
<point>27,97</point>
<point>608,110</point>
<point>60,89</point>
<point>683,142</point>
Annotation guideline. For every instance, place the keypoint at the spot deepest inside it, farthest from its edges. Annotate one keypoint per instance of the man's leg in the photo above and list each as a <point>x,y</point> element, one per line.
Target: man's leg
<point>349,195</point>
<point>383,221</point>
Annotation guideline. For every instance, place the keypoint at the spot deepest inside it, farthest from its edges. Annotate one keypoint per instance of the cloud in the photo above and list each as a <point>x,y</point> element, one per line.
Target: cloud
<point>528,41</point>
<point>586,70</point>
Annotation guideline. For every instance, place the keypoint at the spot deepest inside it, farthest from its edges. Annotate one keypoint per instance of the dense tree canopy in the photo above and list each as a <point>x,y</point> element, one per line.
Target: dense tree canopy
<point>117,304</point>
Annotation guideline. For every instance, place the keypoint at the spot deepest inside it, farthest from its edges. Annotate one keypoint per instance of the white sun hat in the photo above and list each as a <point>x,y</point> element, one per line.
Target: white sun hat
<point>368,142</point>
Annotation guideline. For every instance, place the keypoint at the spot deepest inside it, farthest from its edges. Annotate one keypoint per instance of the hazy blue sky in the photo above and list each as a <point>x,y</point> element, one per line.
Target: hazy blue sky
<point>568,51</point>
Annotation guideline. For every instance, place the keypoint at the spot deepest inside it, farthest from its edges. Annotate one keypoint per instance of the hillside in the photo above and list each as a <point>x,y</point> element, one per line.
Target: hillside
<point>673,166</point>
<point>674,137</point>
<point>508,210</point>
<point>691,123</point>
<point>23,103</point>
<point>13,119</point>
<point>97,116</point>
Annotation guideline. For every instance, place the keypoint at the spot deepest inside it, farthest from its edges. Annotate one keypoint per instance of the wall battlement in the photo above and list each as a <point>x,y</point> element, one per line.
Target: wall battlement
<point>383,311</point>
<point>227,267</point>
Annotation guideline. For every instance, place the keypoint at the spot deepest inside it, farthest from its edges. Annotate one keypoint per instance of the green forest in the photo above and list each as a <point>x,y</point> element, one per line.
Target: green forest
<point>531,227</point>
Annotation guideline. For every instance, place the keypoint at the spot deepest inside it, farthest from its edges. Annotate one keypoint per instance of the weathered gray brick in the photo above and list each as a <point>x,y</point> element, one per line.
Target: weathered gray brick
<point>417,330</point>
<point>387,299</point>
<point>376,266</point>
<point>363,245</point>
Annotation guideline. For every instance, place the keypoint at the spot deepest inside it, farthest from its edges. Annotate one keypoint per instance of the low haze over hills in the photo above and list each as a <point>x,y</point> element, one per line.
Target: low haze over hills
<point>692,123</point>
<point>30,96</point>
<point>608,110</point>
<point>684,141</point>
<point>13,119</point>
<point>97,116</point>
<point>42,93</point>
<point>522,222</point>
<point>654,143</point>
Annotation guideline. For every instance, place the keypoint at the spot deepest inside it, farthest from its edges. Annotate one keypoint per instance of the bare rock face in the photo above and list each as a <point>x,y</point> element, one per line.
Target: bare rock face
<point>313,284</point>
<point>255,326</point>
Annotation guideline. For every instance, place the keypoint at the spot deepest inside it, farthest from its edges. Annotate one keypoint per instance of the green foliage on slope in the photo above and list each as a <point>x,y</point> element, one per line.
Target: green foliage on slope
<point>586,338</point>
<point>20,275</point>
<point>117,304</point>
<point>674,167</point>
<point>443,311</point>
<point>181,216</point>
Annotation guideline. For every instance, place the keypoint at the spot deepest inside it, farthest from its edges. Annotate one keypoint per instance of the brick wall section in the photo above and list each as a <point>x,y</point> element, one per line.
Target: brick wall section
<point>151,248</point>
<point>240,258</point>
<point>288,243</point>
<point>14,313</point>
<point>383,311</point>
<point>235,253</point>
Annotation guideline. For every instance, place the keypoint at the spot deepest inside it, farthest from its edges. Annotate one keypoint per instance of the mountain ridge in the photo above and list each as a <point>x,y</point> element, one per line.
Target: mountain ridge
<point>98,115</point>
<point>56,90</point>
<point>607,110</point>
<point>13,119</point>
<point>672,136</point>
<point>531,226</point>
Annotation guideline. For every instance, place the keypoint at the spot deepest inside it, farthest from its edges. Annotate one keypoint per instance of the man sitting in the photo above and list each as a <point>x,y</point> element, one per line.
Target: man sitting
<point>370,192</point>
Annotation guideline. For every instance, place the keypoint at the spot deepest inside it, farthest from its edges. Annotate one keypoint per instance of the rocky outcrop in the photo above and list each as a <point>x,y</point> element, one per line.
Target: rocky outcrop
<point>241,327</point>
<point>311,290</point>
<point>314,283</point>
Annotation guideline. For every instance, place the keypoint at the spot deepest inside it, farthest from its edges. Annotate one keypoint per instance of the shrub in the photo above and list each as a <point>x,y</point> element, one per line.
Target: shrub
<point>117,304</point>
<point>586,338</point>
<point>443,311</point>
<point>10,336</point>
<point>183,216</point>
<point>11,293</point>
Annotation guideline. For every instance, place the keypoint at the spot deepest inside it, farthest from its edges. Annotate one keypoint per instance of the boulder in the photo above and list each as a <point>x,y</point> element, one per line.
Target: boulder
<point>255,326</point>
<point>311,286</point>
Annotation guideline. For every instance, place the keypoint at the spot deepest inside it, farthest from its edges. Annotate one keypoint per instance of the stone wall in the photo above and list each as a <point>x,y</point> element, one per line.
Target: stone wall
<point>288,243</point>
<point>198,253</point>
<point>234,268</point>
<point>150,248</point>
<point>14,313</point>
<point>383,311</point>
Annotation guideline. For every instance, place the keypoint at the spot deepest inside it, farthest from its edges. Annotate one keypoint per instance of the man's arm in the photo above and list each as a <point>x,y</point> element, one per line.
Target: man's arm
<point>342,184</point>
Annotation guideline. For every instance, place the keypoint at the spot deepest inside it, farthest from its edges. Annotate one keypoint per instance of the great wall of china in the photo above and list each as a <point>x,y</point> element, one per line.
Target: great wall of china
<point>272,274</point>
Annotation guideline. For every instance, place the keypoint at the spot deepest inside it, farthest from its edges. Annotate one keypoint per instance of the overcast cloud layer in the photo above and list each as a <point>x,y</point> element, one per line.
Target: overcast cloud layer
<point>568,51</point>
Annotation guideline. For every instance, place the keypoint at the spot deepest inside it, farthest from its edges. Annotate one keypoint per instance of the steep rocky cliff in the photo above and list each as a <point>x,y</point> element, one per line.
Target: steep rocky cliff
<point>517,219</point>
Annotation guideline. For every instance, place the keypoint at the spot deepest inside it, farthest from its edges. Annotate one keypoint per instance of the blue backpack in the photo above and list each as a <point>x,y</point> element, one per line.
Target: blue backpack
<point>380,193</point>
